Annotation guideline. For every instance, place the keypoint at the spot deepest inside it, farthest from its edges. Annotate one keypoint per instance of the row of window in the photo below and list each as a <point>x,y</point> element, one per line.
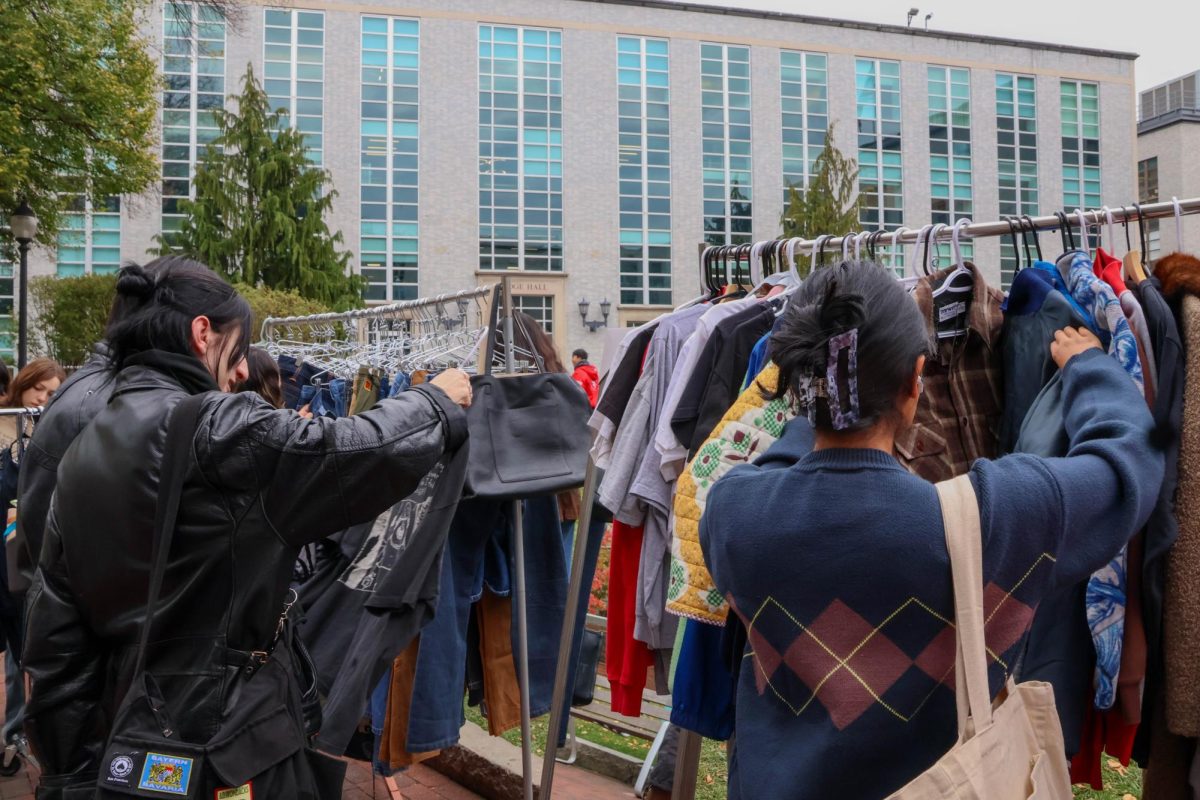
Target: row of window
<point>520,106</point>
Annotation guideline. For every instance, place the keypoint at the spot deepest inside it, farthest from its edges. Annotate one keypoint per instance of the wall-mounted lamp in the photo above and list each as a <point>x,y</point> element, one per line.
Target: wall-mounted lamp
<point>912,12</point>
<point>928,17</point>
<point>592,324</point>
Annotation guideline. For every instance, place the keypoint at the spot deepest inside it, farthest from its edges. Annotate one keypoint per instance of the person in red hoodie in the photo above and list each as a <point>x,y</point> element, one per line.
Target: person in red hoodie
<point>586,375</point>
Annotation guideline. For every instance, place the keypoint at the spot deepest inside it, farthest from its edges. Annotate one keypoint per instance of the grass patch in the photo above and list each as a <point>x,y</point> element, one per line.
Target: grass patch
<point>1120,783</point>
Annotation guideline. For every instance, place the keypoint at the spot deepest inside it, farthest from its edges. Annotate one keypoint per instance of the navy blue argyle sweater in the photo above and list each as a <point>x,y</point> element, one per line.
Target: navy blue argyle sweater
<point>836,562</point>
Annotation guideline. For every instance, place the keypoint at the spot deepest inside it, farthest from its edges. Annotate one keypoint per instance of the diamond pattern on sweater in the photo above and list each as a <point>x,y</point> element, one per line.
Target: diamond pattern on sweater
<point>849,665</point>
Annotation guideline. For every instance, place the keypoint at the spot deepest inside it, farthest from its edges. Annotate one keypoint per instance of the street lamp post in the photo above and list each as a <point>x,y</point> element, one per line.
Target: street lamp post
<point>24,224</point>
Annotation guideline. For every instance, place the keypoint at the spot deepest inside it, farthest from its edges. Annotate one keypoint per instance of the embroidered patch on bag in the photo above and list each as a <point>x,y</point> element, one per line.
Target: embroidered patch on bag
<point>245,792</point>
<point>166,774</point>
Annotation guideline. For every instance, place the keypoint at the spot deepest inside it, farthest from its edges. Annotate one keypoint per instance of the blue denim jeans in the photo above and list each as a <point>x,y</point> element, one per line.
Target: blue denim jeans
<point>341,402</point>
<point>479,551</point>
<point>436,714</point>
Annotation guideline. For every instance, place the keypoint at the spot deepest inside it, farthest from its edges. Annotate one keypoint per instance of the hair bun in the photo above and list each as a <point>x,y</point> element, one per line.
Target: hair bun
<point>134,282</point>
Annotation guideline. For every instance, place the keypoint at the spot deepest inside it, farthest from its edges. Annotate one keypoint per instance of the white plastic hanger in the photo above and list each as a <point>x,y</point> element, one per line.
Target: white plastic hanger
<point>1178,225</point>
<point>846,239</point>
<point>961,281</point>
<point>1112,238</point>
<point>790,254</point>
<point>1084,243</point>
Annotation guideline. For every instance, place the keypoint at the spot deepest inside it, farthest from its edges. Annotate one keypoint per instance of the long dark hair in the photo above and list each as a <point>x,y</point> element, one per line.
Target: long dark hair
<point>529,335</point>
<point>264,378</point>
<point>163,299</point>
<point>891,336</point>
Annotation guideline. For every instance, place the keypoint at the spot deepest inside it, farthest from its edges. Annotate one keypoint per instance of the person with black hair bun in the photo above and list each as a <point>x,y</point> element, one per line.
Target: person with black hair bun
<point>833,556</point>
<point>261,483</point>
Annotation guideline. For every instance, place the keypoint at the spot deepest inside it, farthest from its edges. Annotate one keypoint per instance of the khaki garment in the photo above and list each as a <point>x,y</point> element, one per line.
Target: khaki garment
<point>393,744</point>
<point>501,691</point>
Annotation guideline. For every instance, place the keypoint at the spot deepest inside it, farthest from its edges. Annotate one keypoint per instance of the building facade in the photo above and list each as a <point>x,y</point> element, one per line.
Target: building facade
<point>1168,141</point>
<point>591,146</point>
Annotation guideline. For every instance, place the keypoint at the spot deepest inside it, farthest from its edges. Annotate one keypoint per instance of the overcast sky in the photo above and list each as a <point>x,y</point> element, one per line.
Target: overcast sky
<point>1163,32</point>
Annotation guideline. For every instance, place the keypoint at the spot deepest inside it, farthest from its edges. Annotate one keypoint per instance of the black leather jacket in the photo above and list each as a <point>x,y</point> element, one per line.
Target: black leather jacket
<point>262,484</point>
<point>74,405</point>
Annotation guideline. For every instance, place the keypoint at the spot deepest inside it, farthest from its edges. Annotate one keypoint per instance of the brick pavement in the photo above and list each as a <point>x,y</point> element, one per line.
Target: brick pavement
<point>417,783</point>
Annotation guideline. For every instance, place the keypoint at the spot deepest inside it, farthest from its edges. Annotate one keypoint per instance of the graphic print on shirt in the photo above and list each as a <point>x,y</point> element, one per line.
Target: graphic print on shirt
<point>389,537</point>
<point>849,665</point>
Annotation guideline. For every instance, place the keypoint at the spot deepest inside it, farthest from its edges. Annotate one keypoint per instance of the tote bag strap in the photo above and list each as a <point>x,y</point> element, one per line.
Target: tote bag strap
<point>964,541</point>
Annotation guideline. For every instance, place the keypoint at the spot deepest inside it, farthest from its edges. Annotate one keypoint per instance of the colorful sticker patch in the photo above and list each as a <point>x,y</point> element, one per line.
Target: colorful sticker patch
<point>240,793</point>
<point>166,774</point>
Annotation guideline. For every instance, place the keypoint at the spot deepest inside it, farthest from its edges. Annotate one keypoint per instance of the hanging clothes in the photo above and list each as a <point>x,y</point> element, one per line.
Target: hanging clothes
<point>383,598</point>
<point>958,415</point>
<point>672,452</point>
<point>647,497</point>
<point>748,429</point>
<point>618,388</point>
<point>1033,312</point>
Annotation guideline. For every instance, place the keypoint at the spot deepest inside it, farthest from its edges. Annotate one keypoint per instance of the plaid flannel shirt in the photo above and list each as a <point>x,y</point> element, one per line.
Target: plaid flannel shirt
<point>958,416</point>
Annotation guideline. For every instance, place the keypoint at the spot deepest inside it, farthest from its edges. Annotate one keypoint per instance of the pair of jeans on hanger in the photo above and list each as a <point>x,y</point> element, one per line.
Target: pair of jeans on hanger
<point>479,552</point>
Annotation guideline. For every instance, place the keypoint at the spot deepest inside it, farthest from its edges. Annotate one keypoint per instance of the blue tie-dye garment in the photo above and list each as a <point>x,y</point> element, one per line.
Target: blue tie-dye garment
<point>1106,587</point>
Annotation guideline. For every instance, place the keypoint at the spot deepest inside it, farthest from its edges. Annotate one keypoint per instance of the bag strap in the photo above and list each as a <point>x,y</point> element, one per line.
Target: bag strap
<point>494,333</point>
<point>493,321</point>
<point>177,455</point>
<point>964,541</point>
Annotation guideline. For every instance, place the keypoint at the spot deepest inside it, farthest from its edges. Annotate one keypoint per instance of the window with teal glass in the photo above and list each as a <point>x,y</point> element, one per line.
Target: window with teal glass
<point>193,65</point>
<point>950,149</point>
<point>644,154</point>
<point>804,90</point>
<point>880,154</point>
<point>726,141</point>
<point>388,152</point>
<point>89,241</point>
<point>520,148</point>
<point>294,72</point>
<point>1081,145</point>
<point>1017,156</point>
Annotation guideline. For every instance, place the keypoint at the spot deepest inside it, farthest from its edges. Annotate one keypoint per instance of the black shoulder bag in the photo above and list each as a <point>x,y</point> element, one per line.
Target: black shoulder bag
<point>260,747</point>
<point>529,434</point>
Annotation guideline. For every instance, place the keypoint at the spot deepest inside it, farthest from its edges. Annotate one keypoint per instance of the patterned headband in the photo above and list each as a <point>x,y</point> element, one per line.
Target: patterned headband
<point>812,387</point>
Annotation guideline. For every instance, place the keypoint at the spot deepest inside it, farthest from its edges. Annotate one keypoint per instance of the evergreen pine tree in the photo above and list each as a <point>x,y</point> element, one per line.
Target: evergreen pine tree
<point>260,208</point>
<point>828,205</point>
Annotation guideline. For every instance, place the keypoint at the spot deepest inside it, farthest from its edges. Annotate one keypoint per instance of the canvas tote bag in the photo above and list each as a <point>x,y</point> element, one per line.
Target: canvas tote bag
<point>1012,750</point>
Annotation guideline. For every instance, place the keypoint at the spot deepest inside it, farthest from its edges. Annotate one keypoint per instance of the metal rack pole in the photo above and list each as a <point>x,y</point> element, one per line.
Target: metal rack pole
<point>979,230</point>
<point>567,637</point>
<point>522,654</point>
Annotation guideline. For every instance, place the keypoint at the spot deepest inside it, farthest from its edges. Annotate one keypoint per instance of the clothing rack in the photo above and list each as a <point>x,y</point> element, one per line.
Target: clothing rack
<point>430,315</point>
<point>29,411</point>
<point>687,763</point>
<point>425,309</point>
